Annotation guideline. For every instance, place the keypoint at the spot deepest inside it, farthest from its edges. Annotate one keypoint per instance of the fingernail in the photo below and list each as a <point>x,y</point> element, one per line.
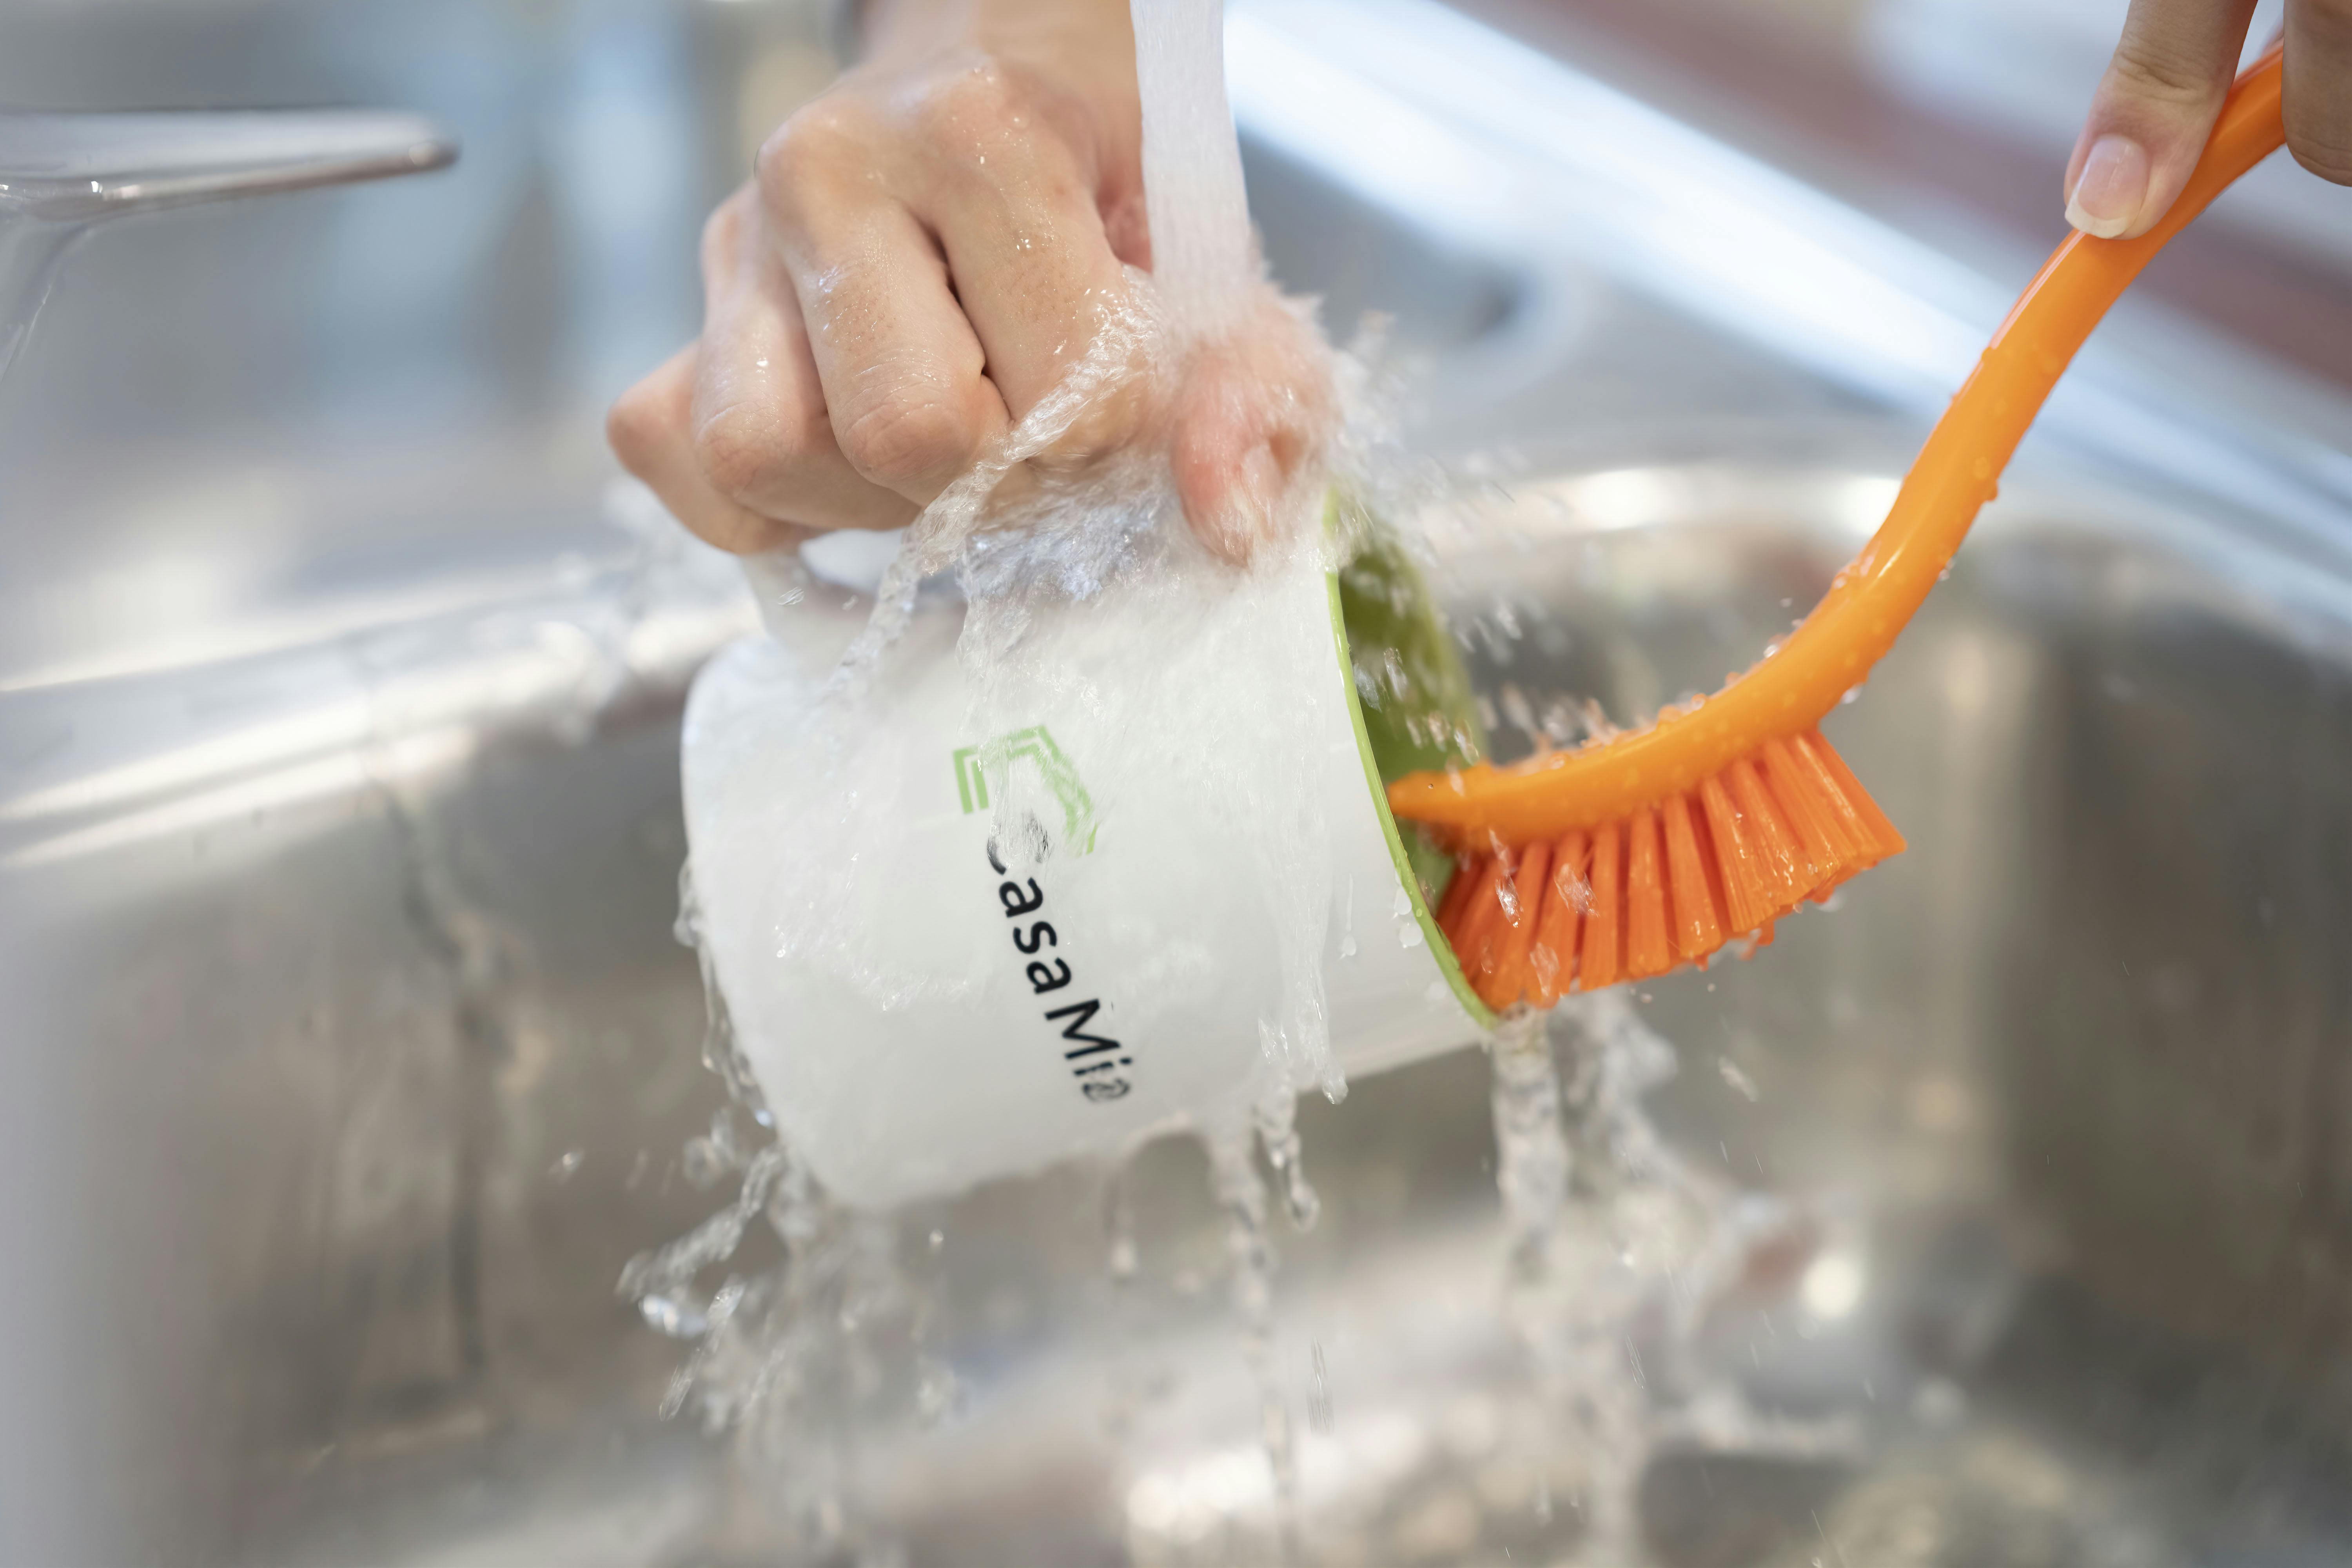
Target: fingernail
<point>2113,188</point>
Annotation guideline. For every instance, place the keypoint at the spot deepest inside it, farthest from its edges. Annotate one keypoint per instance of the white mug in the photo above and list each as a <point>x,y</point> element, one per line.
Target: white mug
<point>1042,926</point>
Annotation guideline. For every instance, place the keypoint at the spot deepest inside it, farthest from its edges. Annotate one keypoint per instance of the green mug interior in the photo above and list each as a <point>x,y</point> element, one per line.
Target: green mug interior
<point>1413,707</point>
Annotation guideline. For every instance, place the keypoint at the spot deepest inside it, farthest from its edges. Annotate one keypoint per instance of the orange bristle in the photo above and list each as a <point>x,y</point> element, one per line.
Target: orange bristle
<point>1880,838</point>
<point>1566,895</point>
<point>1482,918</point>
<point>1601,961</point>
<point>1507,977</point>
<point>1822,830</point>
<point>1647,951</point>
<point>1670,885</point>
<point>1697,930</point>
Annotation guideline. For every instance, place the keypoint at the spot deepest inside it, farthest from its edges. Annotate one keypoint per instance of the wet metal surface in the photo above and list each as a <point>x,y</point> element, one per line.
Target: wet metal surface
<point>352,1057</point>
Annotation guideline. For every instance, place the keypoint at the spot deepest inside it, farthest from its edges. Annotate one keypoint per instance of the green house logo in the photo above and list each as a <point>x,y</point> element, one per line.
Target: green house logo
<point>973,765</point>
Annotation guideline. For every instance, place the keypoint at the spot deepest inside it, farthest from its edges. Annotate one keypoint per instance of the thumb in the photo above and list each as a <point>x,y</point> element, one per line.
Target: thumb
<point>2152,112</point>
<point>1251,416</point>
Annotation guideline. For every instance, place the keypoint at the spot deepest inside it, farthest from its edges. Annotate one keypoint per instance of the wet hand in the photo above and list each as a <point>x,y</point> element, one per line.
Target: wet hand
<point>2163,89</point>
<point>923,253</point>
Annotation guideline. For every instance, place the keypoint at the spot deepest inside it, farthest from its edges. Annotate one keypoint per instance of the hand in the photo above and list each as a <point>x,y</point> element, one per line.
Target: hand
<point>2163,89</point>
<point>922,253</point>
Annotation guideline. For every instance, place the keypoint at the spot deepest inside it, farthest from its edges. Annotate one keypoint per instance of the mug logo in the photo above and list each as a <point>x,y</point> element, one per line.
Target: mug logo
<point>1096,1063</point>
<point>973,765</point>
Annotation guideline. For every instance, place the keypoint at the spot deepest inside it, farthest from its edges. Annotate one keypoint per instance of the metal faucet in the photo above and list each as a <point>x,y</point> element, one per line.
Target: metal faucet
<point>62,173</point>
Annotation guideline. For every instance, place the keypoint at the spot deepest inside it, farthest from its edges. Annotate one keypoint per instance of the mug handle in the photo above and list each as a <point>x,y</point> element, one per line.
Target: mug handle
<point>812,615</point>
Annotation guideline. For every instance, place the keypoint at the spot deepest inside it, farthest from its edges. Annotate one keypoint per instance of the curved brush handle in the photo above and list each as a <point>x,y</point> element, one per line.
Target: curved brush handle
<point>1956,472</point>
<point>1875,595</point>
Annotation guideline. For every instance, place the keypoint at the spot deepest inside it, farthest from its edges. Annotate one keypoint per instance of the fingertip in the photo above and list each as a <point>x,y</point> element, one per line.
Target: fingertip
<point>1230,498</point>
<point>643,420</point>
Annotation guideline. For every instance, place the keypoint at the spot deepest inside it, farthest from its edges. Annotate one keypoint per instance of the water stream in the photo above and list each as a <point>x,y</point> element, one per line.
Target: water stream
<point>1241,1193</point>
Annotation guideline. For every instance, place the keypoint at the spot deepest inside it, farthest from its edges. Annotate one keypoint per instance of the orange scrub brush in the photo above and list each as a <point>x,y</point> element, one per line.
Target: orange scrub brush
<point>1630,856</point>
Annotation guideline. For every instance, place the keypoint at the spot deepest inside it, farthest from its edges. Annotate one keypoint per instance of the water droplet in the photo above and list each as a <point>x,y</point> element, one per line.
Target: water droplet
<point>1319,1416</point>
<point>666,1315</point>
<point>1739,1082</point>
<point>939,1394</point>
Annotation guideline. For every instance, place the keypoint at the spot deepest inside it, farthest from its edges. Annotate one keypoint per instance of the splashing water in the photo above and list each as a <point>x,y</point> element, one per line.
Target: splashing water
<point>1188,697</point>
<point>1618,1255</point>
<point>720,1051</point>
<point>1042,553</point>
<point>794,1357</point>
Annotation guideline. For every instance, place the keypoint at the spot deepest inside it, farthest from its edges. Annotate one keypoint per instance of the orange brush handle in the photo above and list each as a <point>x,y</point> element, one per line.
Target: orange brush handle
<point>1869,603</point>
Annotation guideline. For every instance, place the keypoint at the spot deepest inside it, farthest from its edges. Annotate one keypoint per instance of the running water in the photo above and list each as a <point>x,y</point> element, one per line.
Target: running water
<point>1206,268</point>
<point>1617,1258</point>
<point>1233,1169</point>
<point>1202,254</point>
<point>1576,1272</point>
<point>1531,1155</point>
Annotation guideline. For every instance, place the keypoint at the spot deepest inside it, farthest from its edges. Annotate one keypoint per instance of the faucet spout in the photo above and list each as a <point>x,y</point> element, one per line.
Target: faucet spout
<point>59,173</point>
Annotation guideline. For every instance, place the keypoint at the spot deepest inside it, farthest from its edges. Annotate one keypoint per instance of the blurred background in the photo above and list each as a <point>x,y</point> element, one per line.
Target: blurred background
<point>339,383</point>
<point>350,1055</point>
<point>344,384</point>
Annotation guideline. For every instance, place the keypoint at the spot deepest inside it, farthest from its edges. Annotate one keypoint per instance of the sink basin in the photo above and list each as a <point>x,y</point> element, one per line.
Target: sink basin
<point>2001,1213</point>
<point>381,1103</point>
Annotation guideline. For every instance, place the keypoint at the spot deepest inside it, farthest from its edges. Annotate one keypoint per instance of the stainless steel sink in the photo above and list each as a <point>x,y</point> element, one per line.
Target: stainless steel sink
<point>2001,1214</point>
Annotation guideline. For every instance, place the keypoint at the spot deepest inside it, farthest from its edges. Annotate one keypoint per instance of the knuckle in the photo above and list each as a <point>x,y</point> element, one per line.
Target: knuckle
<point>740,451</point>
<point>906,440</point>
<point>817,145</point>
<point>2152,68</point>
<point>972,102</point>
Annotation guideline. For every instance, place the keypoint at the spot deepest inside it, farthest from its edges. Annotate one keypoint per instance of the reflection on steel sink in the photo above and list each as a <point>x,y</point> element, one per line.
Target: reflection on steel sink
<point>353,1056</point>
<point>391,1088</point>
